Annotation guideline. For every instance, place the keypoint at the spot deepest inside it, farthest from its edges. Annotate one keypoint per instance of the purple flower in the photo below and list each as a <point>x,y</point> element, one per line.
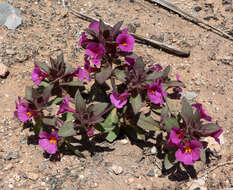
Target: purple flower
<point>119,100</point>
<point>94,26</point>
<point>155,92</point>
<point>48,142</point>
<point>85,72</point>
<point>189,153</point>
<point>202,112</point>
<point>23,112</point>
<point>130,61</point>
<point>216,134</point>
<point>125,41</point>
<point>38,75</point>
<point>157,68</point>
<point>64,107</point>
<point>178,89</point>
<point>176,136</point>
<point>83,39</point>
<point>96,51</point>
<point>90,131</point>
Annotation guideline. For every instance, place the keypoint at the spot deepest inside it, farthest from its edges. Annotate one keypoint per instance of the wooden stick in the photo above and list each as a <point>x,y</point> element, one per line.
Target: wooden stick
<point>217,166</point>
<point>140,39</point>
<point>191,18</point>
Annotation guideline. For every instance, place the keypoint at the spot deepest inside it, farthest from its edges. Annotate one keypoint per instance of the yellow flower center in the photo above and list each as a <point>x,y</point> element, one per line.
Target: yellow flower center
<point>124,44</point>
<point>28,114</point>
<point>53,140</point>
<point>152,91</point>
<point>179,135</point>
<point>122,98</point>
<point>41,77</point>
<point>188,150</point>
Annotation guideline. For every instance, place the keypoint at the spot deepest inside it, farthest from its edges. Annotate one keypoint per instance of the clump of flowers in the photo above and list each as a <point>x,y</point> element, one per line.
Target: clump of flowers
<point>107,97</point>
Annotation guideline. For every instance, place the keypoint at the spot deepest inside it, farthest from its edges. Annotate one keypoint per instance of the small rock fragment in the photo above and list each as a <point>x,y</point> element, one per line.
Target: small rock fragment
<point>33,176</point>
<point>153,150</point>
<point>197,8</point>
<point>117,169</point>
<point>10,52</point>
<point>3,70</point>
<point>131,28</point>
<point>151,173</point>
<point>124,141</point>
<point>226,2</point>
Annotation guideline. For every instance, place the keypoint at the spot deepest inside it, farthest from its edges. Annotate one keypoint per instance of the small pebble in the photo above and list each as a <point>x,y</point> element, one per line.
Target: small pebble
<point>117,169</point>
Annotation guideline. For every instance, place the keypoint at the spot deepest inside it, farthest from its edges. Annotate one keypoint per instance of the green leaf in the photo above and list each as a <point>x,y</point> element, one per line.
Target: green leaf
<point>153,76</point>
<point>67,129</point>
<point>186,111</point>
<point>47,92</point>
<point>203,155</point>
<point>43,66</point>
<point>75,150</point>
<point>120,74</point>
<point>104,74</point>
<point>69,116</point>
<point>209,128</point>
<point>80,104</point>
<point>166,71</point>
<point>175,84</point>
<point>169,161</point>
<point>44,84</point>
<point>55,101</point>
<point>170,123</point>
<point>38,127</point>
<point>69,69</point>
<point>72,83</point>
<point>99,108</point>
<point>148,123</point>
<point>139,66</point>
<point>136,103</point>
<point>110,121</point>
<point>135,132</point>
<point>28,93</point>
<point>49,121</point>
<point>112,135</point>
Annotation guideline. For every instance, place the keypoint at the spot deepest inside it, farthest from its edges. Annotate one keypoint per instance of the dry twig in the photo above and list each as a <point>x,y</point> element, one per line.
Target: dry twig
<point>140,39</point>
<point>217,166</point>
<point>191,18</point>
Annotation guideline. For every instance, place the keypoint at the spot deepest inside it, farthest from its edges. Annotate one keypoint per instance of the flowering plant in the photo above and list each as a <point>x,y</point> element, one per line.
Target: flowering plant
<point>115,92</point>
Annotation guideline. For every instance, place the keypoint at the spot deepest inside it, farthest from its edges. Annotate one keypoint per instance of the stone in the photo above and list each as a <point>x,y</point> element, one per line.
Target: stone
<point>153,150</point>
<point>10,52</point>
<point>151,173</point>
<point>131,28</point>
<point>9,16</point>
<point>117,169</point>
<point>189,95</point>
<point>33,176</point>
<point>229,8</point>
<point>12,155</point>
<point>124,141</point>
<point>226,2</point>
<point>3,70</point>
<point>197,8</point>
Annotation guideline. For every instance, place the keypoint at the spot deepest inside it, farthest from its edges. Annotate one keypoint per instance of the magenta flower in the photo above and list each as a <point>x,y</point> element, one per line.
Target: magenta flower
<point>202,112</point>
<point>83,39</point>
<point>64,107</point>
<point>125,41</point>
<point>48,142</point>
<point>189,153</point>
<point>119,100</point>
<point>23,112</point>
<point>130,61</point>
<point>90,131</point>
<point>85,72</point>
<point>96,51</point>
<point>94,26</point>
<point>155,92</point>
<point>37,75</point>
<point>216,134</point>
<point>176,136</point>
<point>157,68</point>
